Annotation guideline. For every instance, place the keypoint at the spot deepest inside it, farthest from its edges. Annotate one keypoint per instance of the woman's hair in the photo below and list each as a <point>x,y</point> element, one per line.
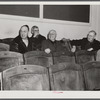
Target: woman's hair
<point>50,33</point>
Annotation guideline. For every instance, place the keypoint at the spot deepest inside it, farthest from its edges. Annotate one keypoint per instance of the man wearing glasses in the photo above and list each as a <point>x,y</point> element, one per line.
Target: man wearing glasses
<point>36,38</point>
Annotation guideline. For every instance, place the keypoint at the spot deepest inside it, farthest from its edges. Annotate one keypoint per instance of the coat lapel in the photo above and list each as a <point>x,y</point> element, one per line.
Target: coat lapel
<point>23,44</point>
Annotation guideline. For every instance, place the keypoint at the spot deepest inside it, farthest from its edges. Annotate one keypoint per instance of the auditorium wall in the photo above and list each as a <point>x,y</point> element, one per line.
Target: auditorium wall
<point>98,22</point>
<point>9,25</point>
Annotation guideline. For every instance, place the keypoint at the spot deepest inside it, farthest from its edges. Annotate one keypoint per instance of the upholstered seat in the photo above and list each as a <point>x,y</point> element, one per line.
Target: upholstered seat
<point>83,56</point>
<point>4,47</point>
<point>98,55</point>
<point>60,57</point>
<point>92,75</point>
<point>9,59</point>
<point>38,58</point>
<point>26,77</point>
<point>66,76</point>
<point>7,40</point>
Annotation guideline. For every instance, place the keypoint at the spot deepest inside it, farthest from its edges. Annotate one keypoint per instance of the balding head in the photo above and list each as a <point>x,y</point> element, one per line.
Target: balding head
<point>91,36</point>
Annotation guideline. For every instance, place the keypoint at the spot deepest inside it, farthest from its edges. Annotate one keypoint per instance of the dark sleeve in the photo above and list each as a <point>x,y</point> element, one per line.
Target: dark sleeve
<point>14,46</point>
<point>44,38</point>
<point>30,45</point>
<point>60,47</point>
<point>39,46</point>
<point>66,45</point>
<point>76,42</point>
<point>44,45</point>
<point>96,46</point>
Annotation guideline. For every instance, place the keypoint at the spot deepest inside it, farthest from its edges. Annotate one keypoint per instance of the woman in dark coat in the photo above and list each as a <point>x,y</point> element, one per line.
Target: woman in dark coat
<point>22,42</point>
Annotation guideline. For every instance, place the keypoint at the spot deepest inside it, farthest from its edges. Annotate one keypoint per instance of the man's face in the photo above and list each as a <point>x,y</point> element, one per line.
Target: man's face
<point>35,31</point>
<point>24,32</point>
<point>52,35</point>
<point>91,36</point>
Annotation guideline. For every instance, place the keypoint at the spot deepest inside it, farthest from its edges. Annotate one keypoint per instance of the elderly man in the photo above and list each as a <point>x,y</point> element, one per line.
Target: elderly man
<point>89,43</point>
<point>22,42</point>
<point>36,38</point>
<point>51,44</point>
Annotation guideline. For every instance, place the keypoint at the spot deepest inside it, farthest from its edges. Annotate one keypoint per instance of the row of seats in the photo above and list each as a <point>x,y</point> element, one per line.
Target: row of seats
<point>78,56</point>
<point>9,59</point>
<point>62,76</point>
<point>53,64</point>
<point>36,70</point>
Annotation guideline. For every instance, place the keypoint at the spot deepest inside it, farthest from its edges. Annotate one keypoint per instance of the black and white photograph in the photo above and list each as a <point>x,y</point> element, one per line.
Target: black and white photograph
<point>50,46</point>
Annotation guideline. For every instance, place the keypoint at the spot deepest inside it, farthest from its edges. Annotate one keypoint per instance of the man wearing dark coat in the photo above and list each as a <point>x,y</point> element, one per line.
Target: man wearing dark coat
<point>89,43</point>
<point>22,43</point>
<point>51,44</point>
<point>36,38</point>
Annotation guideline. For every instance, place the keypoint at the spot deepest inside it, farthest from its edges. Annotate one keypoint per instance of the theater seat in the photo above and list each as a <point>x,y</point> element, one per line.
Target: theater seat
<point>7,40</point>
<point>38,58</point>
<point>9,59</point>
<point>66,43</point>
<point>66,76</point>
<point>4,47</point>
<point>0,81</point>
<point>26,77</point>
<point>92,75</point>
<point>83,56</point>
<point>98,55</point>
<point>60,57</point>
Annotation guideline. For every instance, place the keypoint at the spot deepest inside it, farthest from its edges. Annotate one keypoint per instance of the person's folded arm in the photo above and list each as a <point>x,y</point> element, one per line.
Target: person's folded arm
<point>76,42</point>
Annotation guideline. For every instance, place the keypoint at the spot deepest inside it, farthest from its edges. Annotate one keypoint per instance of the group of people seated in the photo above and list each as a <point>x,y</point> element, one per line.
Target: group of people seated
<point>22,43</point>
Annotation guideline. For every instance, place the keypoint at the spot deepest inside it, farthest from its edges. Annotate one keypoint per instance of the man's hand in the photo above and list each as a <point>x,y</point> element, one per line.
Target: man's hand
<point>73,49</point>
<point>90,49</point>
<point>47,50</point>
